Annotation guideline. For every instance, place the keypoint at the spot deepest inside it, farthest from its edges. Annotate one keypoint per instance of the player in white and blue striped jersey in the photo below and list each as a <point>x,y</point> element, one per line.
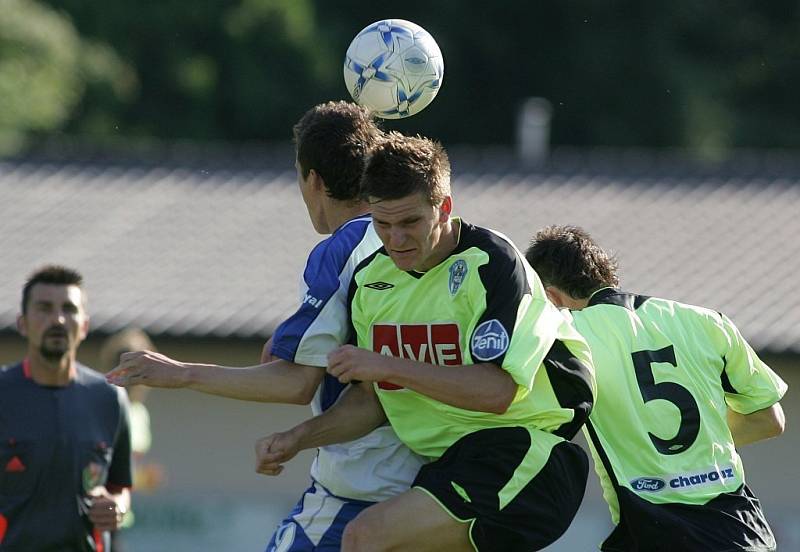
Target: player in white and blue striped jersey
<point>332,141</point>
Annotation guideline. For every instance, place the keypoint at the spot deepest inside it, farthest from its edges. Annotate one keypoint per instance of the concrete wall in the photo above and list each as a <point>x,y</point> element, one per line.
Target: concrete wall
<point>212,496</point>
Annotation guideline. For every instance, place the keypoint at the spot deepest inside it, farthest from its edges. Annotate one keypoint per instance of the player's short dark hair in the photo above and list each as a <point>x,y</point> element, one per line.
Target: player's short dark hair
<point>334,138</point>
<point>50,274</point>
<point>568,258</point>
<point>401,165</point>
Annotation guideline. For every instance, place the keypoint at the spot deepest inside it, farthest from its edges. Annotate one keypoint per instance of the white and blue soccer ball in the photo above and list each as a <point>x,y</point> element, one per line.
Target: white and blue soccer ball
<point>394,68</point>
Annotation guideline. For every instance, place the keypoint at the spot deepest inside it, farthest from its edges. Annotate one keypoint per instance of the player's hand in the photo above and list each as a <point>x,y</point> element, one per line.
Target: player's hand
<point>148,368</point>
<point>105,514</point>
<point>275,450</point>
<point>266,352</point>
<point>349,363</point>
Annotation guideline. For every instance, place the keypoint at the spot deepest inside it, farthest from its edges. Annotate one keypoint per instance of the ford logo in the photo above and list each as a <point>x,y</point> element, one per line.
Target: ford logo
<point>648,484</point>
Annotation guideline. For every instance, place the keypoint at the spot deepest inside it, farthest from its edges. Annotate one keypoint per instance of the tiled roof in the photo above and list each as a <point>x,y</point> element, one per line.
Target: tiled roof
<point>218,251</point>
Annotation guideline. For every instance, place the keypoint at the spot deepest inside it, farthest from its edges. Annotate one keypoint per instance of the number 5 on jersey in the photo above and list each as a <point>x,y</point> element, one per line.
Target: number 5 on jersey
<point>668,391</point>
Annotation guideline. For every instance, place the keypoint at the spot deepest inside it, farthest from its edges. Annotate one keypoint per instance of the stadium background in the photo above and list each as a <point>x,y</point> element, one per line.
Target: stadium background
<point>147,145</point>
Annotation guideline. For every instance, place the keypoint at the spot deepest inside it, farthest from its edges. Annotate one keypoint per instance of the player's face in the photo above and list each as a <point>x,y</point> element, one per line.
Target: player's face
<point>55,322</point>
<point>411,229</point>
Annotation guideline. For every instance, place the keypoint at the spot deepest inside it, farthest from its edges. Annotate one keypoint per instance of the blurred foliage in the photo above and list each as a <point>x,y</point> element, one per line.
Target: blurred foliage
<point>46,68</point>
<point>697,74</point>
<point>39,82</point>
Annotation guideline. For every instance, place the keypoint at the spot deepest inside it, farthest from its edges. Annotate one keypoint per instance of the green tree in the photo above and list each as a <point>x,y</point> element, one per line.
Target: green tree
<point>45,68</point>
<point>707,76</point>
<point>212,70</point>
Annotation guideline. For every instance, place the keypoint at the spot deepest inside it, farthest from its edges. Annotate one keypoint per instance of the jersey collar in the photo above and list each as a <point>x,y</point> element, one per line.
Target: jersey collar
<point>614,296</point>
<point>600,295</point>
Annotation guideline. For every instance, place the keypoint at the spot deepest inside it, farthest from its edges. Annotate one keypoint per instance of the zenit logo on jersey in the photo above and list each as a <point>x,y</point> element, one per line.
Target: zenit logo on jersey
<point>489,340</point>
<point>458,271</point>
<point>431,343</point>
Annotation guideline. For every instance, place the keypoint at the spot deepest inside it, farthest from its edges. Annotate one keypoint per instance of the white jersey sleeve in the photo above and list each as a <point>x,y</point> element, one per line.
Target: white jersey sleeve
<point>374,467</point>
<point>321,322</point>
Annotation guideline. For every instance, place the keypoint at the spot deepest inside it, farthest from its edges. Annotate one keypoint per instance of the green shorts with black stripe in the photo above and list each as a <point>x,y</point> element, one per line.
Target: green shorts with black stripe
<point>518,488</point>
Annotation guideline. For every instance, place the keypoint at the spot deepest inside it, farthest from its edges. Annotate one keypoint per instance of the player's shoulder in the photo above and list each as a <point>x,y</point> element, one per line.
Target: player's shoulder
<point>10,373</point>
<point>683,312</point>
<point>668,314</point>
<point>610,299</point>
<point>91,378</point>
<point>100,389</point>
<point>356,236</point>
<point>500,264</point>
<point>353,232</point>
<point>496,245</point>
<point>646,305</point>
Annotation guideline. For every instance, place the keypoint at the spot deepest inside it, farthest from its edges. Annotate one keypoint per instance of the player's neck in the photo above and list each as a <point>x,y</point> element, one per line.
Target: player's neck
<point>448,241</point>
<point>57,372</point>
<point>564,300</point>
<point>342,211</point>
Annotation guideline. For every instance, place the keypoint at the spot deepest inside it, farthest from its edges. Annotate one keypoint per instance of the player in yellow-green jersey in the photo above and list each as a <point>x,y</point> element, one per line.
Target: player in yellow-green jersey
<point>470,364</point>
<point>678,388</point>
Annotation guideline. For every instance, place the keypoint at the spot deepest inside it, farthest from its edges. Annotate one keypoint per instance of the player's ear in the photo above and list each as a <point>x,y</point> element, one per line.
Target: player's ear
<point>555,295</point>
<point>445,209</point>
<point>22,326</point>
<point>316,181</point>
<point>84,329</point>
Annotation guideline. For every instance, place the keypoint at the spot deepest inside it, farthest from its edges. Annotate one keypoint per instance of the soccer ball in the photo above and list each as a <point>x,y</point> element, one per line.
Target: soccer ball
<point>394,68</point>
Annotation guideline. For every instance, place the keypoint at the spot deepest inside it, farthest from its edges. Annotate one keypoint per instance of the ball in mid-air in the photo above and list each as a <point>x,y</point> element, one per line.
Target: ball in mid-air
<point>394,68</point>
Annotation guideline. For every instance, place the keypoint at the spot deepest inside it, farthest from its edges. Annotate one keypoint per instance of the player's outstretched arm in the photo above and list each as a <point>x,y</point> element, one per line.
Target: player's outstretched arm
<point>484,387</point>
<point>278,381</point>
<point>356,413</point>
<point>762,424</point>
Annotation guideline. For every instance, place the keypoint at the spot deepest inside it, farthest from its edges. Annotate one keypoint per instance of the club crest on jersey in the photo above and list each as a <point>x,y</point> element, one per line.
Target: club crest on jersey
<point>489,340</point>
<point>458,271</point>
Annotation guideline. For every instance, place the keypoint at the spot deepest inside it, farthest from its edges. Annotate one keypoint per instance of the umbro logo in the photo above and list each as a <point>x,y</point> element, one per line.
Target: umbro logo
<point>379,285</point>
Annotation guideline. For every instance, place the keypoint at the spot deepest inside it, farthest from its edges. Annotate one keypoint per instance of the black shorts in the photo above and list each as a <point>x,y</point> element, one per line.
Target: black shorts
<point>728,523</point>
<point>469,477</point>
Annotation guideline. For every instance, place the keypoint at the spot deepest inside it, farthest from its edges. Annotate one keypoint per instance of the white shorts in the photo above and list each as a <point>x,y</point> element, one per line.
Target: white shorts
<point>316,523</point>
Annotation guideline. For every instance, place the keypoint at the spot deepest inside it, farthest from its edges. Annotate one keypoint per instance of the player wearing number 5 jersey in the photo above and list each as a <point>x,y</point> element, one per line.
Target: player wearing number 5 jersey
<point>678,389</point>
